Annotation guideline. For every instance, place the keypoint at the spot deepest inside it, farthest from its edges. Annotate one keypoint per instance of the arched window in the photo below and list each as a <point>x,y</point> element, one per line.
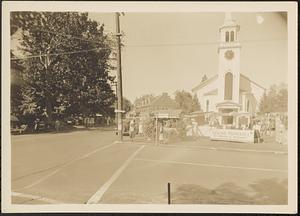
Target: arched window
<point>232,36</point>
<point>227,36</point>
<point>228,86</point>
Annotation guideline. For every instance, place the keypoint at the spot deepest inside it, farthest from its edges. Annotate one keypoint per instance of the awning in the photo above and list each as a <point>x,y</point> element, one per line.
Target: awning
<point>167,114</point>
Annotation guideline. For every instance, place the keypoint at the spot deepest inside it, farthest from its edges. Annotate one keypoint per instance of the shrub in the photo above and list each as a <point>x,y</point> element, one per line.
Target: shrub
<point>149,128</point>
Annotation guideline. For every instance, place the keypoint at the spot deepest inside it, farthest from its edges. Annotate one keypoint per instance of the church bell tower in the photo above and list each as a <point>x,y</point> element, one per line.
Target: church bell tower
<point>229,61</point>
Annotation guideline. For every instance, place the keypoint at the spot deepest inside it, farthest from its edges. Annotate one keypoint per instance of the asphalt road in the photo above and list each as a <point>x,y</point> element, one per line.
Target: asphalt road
<point>90,167</point>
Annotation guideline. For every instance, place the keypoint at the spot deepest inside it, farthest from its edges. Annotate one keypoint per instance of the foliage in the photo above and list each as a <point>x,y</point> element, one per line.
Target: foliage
<point>276,100</point>
<point>181,128</point>
<point>15,87</point>
<point>59,80</point>
<point>195,103</point>
<point>127,105</point>
<point>187,102</point>
<point>149,128</point>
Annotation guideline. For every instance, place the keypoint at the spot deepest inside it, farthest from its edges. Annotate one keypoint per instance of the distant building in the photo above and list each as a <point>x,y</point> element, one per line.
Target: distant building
<point>149,104</point>
<point>142,103</point>
<point>229,92</point>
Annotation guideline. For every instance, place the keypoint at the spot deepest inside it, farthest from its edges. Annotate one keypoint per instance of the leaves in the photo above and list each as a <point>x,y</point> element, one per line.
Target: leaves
<point>276,100</point>
<point>62,78</point>
<point>187,102</point>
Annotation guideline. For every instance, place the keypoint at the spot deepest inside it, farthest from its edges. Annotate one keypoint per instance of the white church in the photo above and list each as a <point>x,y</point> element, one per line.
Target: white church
<point>229,94</point>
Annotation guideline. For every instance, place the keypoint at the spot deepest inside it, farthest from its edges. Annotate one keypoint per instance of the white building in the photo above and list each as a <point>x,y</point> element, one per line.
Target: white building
<point>229,93</point>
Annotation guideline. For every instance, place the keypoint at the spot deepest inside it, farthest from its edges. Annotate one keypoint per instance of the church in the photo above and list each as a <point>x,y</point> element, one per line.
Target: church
<point>229,95</point>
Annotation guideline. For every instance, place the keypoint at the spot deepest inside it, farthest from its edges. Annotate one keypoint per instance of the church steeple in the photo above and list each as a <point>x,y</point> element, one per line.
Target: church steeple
<point>229,30</point>
<point>229,60</point>
<point>228,19</point>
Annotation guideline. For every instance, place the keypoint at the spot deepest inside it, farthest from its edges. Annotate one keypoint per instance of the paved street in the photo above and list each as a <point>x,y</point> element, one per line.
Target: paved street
<point>90,167</point>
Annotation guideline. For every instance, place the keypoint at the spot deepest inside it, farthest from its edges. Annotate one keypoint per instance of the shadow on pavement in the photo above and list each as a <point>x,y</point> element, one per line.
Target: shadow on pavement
<point>262,192</point>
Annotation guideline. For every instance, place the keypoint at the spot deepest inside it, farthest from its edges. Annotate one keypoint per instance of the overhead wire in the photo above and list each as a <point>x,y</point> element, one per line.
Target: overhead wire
<point>198,43</point>
<point>61,34</point>
<point>125,45</point>
<point>56,54</point>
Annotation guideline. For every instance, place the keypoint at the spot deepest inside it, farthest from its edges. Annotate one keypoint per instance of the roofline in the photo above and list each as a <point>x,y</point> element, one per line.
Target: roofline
<point>202,84</point>
<point>253,82</point>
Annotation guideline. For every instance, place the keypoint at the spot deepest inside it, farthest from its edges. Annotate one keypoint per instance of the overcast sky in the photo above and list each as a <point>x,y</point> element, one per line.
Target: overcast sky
<point>165,52</point>
<point>168,51</point>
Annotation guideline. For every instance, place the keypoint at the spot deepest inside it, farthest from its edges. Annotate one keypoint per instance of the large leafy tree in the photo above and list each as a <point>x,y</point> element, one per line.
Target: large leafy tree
<point>187,102</point>
<point>66,64</point>
<point>276,100</point>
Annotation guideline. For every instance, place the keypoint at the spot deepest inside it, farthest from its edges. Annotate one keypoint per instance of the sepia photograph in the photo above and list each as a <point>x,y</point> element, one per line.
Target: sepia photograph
<point>155,108</point>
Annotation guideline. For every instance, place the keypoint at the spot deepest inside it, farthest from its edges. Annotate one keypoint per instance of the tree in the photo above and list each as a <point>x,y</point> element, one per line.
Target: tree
<point>265,104</point>
<point>276,100</point>
<point>127,105</point>
<point>195,104</point>
<point>68,66</point>
<point>187,102</point>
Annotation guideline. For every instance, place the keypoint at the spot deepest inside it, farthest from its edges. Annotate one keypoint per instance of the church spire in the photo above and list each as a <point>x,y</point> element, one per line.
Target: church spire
<point>228,16</point>
<point>228,19</point>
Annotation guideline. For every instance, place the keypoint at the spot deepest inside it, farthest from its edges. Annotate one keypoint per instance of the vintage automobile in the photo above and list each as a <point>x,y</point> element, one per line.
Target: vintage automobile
<point>126,123</point>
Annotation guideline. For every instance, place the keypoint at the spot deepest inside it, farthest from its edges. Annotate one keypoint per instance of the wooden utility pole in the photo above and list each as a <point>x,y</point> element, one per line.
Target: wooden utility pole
<point>119,79</point>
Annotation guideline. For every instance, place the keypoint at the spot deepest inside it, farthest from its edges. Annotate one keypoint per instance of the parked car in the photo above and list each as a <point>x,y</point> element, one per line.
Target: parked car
<point>125,128</point>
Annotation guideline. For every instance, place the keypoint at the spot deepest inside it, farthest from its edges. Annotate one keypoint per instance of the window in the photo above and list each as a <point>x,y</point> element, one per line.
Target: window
<point>227,37</point>
<point>232,36</point>
<point>228,86</point>
<point>207,105</point>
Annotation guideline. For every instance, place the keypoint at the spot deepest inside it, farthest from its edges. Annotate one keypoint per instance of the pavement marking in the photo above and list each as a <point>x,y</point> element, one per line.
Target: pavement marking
<point>224,149</point>
<point>34,197</point>
<point>98,195</point>
<point>212,165</point>
<point>65,165</point>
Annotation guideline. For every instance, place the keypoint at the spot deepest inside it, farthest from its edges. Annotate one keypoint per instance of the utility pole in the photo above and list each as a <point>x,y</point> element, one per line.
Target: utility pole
<point>119,79</point>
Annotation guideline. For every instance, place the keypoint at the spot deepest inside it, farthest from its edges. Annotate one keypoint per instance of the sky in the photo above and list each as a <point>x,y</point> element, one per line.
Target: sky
<point>165,52</point>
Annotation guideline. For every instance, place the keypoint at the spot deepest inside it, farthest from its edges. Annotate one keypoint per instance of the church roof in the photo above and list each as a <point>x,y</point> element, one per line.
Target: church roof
<point>242,75</point>
<point>206,82</point>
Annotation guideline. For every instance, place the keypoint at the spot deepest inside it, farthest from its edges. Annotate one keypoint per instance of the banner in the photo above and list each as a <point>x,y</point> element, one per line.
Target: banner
<point>232,135</point>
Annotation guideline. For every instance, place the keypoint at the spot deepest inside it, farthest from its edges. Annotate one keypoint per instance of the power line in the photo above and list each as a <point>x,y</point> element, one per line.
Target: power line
<point>61,34</point>
<point>195,43</point>
<point>56,54</point>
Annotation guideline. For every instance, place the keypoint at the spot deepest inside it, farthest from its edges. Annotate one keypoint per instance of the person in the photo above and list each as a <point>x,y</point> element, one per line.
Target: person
<point>257,131</point>
<point>195,128</point>
<point>92,121</point>
<point>57,125</point>
<point>140,127</point>
<point>108,121</point>
<point>36,124</point>
<point>132,129</point>
<point>161,134</point>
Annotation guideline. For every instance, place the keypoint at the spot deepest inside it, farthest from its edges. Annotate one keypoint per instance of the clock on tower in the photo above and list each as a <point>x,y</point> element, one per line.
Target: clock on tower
<point>229,54</point>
